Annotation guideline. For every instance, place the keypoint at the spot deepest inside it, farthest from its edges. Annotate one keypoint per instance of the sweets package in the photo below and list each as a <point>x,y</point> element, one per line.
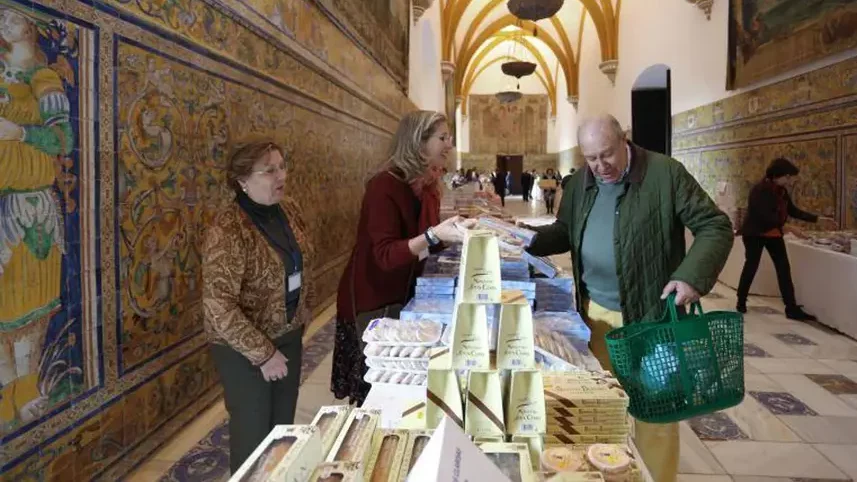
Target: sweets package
<point>338,472</point>
<point>355,439</point>
<point>435,309</point>
<point>484,415</point>
<point>390,331</point>
<point>562,439</point>
<point>329,420</point>
<point>525,412</point>
<point>523,236</point>
<point>397,364</point>
<point>535,445</point>
<point>289,452</point>
<point>542,265</point>
<point>443,398</point>
<point>561,346</point>
<point>570,477</point>
<point>417,441</point>
<point>513,459</point>
<point>614,462</point>
<point>479,275</point>
<point>388,450</point>
<point>394,377</point>
<point>470,343</point>
<point>383,350</point>
<point>515,338</point>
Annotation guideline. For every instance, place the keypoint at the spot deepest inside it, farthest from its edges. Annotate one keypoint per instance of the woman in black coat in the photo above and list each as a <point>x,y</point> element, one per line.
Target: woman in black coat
<point>769,207</point>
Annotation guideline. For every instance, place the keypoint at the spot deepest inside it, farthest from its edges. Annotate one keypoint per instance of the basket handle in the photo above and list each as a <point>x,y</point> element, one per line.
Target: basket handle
<point>695,308</point>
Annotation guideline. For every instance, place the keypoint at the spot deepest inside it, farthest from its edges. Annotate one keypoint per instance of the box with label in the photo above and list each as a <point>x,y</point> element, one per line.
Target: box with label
<point>417,442</point>
<point>289,452</point>
<point>330,419</point>
<point>355,440</point>
<point>338,472</point>
<point>513,459</point>
<point>388,450</point>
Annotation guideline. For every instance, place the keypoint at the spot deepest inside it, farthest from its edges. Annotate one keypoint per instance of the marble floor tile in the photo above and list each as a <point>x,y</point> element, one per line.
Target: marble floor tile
<point>773,459</point>
<point>774,347</point>
<point>694,456</point>
<point>824,430</point>
<point>835,384</point>
<point>845,367</point>
<point>758,382</point>
<point>783,403</point>
<point>716,426</point>
<point>755,351</point>
<point>750,369</point>
<point>794,339</point>
<point>843,456</point>
<point>759,423</point>
<point>850,400</point>
<point>817,398</point>
<point>703,478</point>
<point>789,365</point>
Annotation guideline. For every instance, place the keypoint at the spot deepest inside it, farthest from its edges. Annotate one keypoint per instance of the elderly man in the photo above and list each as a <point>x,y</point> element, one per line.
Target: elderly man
<point>642,201</point>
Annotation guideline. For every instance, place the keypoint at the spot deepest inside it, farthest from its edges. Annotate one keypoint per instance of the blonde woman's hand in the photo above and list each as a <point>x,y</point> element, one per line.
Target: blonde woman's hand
<point>275,368</point>
<point>452,230</point>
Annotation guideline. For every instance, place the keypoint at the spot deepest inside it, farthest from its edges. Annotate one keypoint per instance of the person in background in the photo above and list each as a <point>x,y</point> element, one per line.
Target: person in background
<point>500,186</point>
<point>526,184</point>
<point>567,178</point>
<point>550,193</point>
<point>623,220</point>
<point>399,223</point>
<point>255,297</point>
<point>508,183</point>
<point>769,207</point>
<point>535,190</point>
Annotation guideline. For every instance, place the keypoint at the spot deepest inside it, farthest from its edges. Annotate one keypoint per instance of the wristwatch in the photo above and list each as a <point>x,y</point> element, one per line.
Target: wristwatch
<point>432,238</point>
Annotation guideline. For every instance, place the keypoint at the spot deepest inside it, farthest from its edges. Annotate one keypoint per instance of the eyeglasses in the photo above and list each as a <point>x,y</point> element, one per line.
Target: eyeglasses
<point>271,170</point>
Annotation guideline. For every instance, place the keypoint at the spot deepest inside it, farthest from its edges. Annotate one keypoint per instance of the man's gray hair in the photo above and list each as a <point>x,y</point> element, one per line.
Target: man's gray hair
<point>602,120</point>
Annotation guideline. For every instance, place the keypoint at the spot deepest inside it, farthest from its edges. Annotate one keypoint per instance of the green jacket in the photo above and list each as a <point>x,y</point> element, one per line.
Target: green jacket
<point>661,199</point>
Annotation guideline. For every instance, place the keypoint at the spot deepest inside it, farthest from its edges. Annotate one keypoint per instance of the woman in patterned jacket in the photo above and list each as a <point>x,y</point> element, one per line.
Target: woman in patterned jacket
<point>255,297</point>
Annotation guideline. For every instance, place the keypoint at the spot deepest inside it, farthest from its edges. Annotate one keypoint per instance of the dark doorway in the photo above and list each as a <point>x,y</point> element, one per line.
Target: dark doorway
<point>651,111</point>
<point>515,165</point>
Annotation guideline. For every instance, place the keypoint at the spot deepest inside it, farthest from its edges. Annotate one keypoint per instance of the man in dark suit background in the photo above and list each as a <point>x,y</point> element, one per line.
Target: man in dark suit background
<point>527,185</point>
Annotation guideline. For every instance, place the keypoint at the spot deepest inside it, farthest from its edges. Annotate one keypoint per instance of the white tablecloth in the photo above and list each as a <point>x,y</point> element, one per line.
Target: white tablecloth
<point>826,285</point>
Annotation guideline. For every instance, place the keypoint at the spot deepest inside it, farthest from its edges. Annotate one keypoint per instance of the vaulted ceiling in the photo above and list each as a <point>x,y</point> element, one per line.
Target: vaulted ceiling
<point>478,35</point>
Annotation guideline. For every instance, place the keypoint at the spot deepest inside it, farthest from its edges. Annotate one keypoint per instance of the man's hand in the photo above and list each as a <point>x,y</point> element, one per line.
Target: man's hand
<point>685,294</point>
<point>275,368</point>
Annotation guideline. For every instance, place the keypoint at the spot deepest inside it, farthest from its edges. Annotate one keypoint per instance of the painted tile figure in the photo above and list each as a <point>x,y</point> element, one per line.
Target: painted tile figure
<point>35,137</point>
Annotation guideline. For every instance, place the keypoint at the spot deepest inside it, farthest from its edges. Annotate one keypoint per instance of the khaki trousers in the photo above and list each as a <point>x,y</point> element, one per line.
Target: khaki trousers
<point>658,443</point>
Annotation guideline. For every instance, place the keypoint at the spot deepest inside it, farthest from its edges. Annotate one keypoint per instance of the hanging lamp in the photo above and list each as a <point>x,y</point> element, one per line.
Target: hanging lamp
<point>534,9</point>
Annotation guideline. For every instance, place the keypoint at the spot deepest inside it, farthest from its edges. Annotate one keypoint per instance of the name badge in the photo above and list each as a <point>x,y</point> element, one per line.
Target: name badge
<point>295,281</point>
<point>424,254</point>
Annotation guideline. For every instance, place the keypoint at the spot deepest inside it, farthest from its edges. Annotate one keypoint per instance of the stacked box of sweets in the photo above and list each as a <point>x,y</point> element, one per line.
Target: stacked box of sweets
<point>585,408</point>
<point>555,294</point>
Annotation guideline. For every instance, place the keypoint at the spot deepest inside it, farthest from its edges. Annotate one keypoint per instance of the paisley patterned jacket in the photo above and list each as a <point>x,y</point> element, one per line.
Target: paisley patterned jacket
<point>244,286</point>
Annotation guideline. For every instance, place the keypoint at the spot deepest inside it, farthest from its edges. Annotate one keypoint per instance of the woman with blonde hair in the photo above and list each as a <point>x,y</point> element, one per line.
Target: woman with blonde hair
<point>255,297</point>
<point>399,224</point>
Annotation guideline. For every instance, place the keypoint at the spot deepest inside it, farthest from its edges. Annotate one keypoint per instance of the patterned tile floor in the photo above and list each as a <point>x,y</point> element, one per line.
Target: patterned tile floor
<point>798,422</point>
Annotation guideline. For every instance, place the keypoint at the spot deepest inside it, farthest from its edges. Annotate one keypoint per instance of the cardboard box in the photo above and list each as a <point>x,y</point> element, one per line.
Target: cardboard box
<point>418,440</point>
<point>289,452</point>
<point>329,420</point>
<point>355,440</point>
<point>513,460</point>
<point>388,451</point>
<point>338,471</point>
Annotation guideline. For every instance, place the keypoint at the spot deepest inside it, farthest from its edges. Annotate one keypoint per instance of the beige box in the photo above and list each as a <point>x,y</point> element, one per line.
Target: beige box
<point>329,419</point>
<point>576,477</point>
<point>354,442</point>
<point>563,439</point>
<point>289,453</point>
<point>417,441</point>
<point>513,459</point>
<point>620,416</point>
<point>338,472</point>
<point>585,397</point>
<point>479,272</point>
<point>621,429</point>
<point>388,451</point>
<point>535,444</point>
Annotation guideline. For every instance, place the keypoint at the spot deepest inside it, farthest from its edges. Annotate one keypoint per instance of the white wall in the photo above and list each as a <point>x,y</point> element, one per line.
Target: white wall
<point>674,33</point>
<point>425,82</point>
<point>462,133</point>
<point>565,130</point>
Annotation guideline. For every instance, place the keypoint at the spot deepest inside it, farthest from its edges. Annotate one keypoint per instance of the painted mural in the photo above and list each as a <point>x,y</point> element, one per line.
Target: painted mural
<point>496,128</point>
<point>809,119</point>
<point>43,94</point>
<point>770,37</point>
<point>115,121</point>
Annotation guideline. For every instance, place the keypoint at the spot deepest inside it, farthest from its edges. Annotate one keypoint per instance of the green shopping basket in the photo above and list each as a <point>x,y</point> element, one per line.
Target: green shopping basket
<point>680,367</point>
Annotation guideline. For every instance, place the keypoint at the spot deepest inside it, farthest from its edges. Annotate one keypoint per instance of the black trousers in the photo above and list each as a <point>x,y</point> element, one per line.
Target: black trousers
<point>254,405</point>
<point>503,199</point>
<point>550,199</point>
<point>753,247</point>
<point>526,192</point>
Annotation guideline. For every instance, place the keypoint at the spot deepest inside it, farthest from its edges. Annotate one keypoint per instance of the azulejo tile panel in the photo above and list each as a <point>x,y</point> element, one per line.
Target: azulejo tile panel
<point>128,118</point>
<point>809,119</point>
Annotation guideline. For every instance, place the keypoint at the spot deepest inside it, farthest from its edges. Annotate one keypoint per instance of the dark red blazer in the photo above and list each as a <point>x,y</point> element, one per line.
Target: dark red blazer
<point>382,271</point>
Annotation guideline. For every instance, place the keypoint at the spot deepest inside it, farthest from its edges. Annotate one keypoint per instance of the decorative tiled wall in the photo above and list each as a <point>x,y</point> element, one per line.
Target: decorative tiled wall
<point>488,162</point>
<point>810,119</point>
<point>115,120</point>
<point>517,128</point>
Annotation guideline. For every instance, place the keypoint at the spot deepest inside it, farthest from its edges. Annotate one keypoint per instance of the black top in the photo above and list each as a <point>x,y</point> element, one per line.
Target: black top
<point>272,222</point>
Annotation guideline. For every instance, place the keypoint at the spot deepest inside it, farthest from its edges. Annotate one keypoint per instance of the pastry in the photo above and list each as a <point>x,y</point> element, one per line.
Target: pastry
<point>562,459</point>
<point>609,458</point>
